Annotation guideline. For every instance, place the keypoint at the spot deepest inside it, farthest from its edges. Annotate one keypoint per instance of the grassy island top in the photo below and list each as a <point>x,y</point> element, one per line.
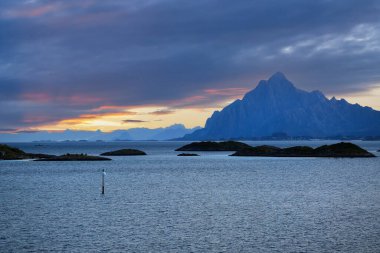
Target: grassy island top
<point>124,152</point>
<point>74,157</point>
<point>11,153</point>
<point>342,149</point>
<point>187,154</point>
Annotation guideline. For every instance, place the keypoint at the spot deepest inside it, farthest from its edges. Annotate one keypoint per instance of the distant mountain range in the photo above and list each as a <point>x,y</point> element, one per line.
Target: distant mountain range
<point>166,133</point>
<point>277,108</point>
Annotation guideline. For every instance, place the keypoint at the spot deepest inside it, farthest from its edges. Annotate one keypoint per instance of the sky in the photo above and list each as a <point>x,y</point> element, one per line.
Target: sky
<point>120,64</point>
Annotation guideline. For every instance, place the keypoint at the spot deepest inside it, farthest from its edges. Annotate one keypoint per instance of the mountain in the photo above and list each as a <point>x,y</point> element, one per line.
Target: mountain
<point>173,131</point>
<point>276,106</point>
<point>166,133</point>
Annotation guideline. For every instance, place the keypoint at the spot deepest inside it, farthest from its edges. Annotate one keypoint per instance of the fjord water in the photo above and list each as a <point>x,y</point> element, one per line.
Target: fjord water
<point>211,203</point>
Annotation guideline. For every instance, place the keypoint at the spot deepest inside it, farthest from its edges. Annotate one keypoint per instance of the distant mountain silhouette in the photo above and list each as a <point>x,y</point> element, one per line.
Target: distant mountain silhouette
<point>276,106</point>
<point>164,133</point>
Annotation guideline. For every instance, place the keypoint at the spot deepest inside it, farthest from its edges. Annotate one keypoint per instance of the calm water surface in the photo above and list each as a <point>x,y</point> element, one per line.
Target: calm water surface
<point>210,203</point>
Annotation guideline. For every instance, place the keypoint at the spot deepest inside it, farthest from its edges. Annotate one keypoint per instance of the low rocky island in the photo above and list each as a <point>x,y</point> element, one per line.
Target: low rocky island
<point>11,153</point>
<point>187,154</point>
<point>342,149</point>
<point>124,152</point>
<point>74,157</point>
<point>214,146</point>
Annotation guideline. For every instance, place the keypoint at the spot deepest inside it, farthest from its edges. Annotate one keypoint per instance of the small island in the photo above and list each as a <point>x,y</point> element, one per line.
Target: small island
<point>124,152</point>
<point>214,146</point>
<point>74,157</point>
<point>11,153</point>
<point>339,150</point>
<point>187,154</point>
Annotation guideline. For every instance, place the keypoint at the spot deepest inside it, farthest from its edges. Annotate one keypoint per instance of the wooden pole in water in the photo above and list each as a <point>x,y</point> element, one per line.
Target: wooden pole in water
<point>103,172</point>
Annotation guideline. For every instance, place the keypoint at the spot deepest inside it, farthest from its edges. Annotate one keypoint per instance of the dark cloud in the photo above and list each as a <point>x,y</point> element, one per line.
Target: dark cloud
<point>27,131</point>
<point>60,59</point>
<point>162,112</point>
<point>7,130</point>
<point>133,121</point>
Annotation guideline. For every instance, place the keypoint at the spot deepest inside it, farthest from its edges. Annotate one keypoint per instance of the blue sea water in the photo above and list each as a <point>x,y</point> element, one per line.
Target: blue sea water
<point>211,203</point>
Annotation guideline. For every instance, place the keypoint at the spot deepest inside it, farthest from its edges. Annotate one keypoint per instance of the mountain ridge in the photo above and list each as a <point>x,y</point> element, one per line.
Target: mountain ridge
<point>133,134</point>
<point>276,105</point>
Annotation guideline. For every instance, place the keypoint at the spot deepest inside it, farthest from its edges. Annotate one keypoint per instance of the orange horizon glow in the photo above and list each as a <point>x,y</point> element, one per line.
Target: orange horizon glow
<point>108,122</point>
<point>108,118</point>
<point>369,98</point>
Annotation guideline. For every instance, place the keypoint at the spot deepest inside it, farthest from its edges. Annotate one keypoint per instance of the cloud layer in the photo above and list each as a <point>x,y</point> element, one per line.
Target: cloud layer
<point>63,59</point>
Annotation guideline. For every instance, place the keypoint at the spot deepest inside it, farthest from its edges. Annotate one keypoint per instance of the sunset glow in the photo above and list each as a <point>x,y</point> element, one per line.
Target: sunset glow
<point>108,65</point>
<point>144,117</point>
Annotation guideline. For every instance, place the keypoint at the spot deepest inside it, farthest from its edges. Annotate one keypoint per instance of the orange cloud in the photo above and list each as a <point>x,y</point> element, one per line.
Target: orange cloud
<point>191,111</point>
<point>189,102</point>
<point>37,97</point>
<point>80,100</point>
<point>33,12</point>
<point>71,100</point>
<point>95,116</point>
<point>29,11</point>
<point>35,119</point>
<point>212,98</point>
<point>111,108</point>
